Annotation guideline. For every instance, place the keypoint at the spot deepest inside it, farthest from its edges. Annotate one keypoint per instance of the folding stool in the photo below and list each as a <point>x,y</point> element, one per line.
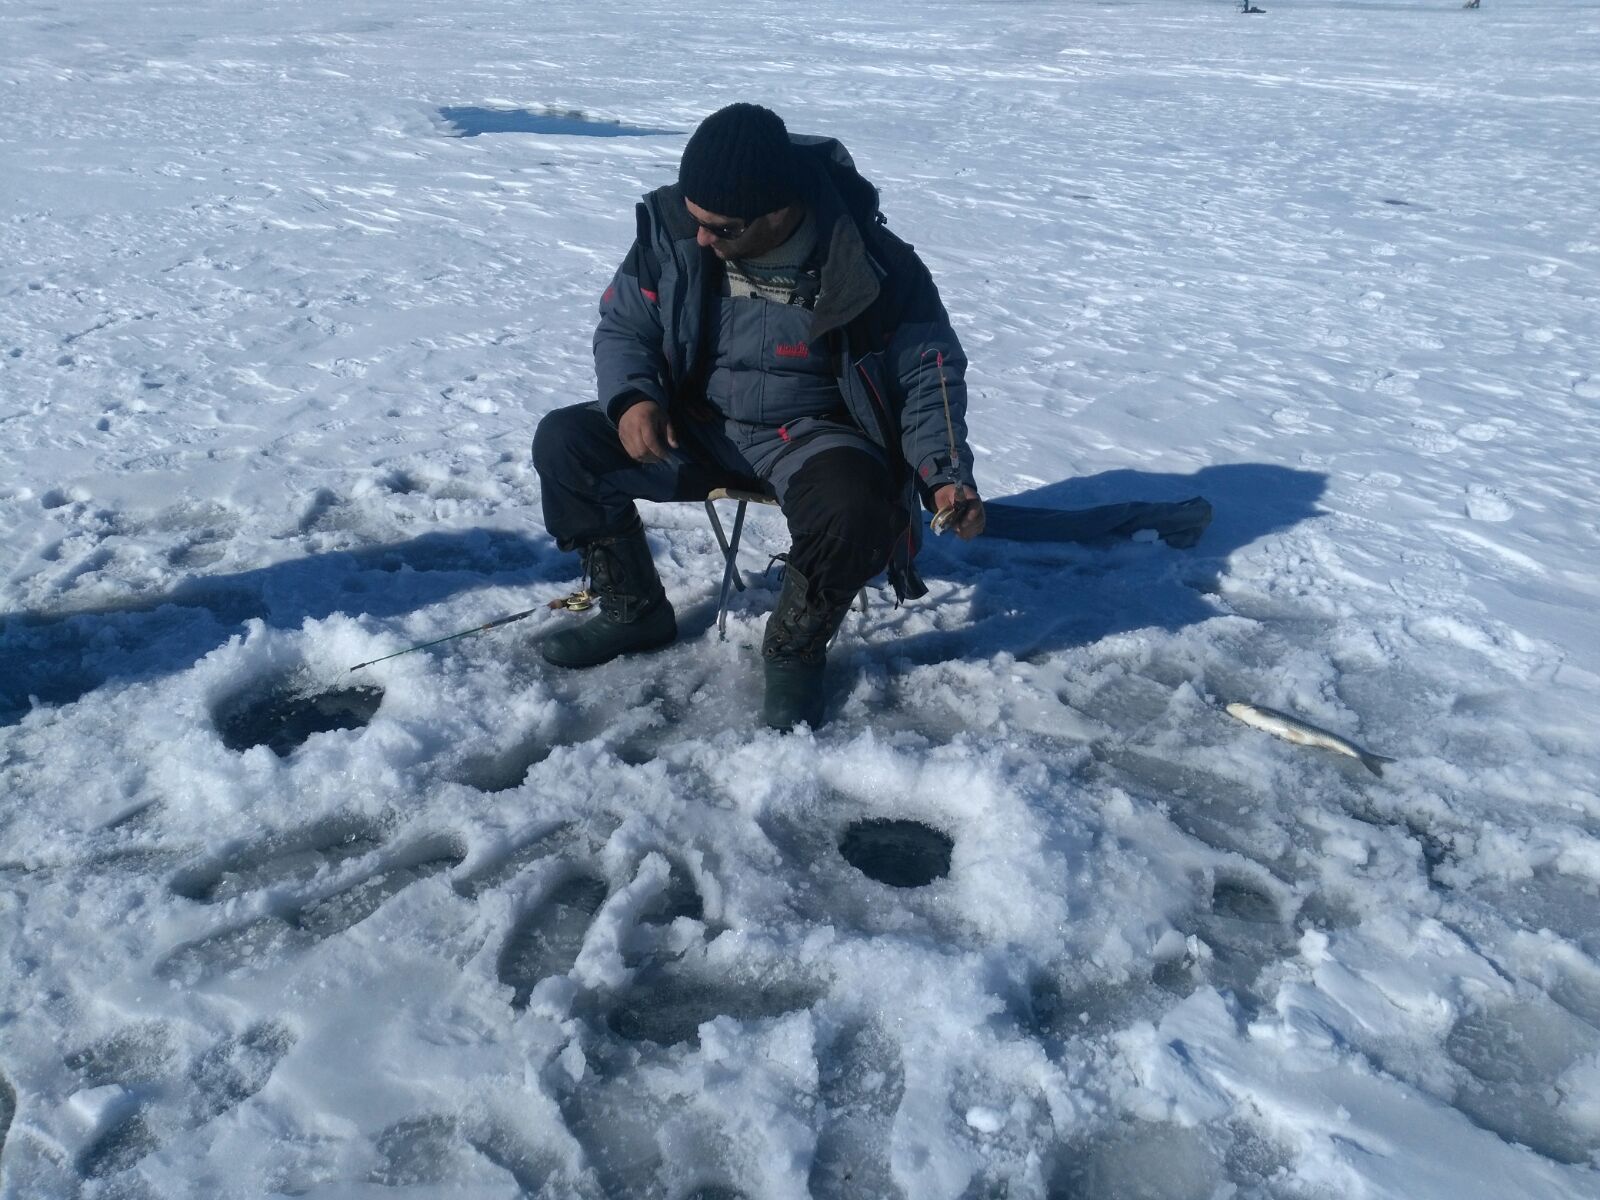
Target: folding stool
<point>730,546</point>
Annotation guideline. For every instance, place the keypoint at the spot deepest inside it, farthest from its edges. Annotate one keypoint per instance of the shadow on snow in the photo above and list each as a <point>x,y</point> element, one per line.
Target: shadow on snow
<point>1028,598</point>
<point>471,121</point>
<point>61,656</point>
<point>1032,598</point>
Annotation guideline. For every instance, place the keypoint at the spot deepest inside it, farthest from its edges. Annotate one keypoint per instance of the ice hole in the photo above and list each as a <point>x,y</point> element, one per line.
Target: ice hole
<point>903,854</point>
<point>470,121</point>
<point>286,715</point>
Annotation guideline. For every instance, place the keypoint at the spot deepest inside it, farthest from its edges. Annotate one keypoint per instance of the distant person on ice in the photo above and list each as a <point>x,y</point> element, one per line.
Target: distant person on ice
<point>765,332</point>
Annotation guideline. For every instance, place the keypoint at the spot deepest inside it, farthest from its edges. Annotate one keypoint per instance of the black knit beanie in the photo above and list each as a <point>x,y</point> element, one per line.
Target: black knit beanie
<point>740,163</point>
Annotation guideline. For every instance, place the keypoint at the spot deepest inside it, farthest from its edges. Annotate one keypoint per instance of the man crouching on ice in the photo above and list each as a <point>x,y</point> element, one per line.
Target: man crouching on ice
<point>765,332</point>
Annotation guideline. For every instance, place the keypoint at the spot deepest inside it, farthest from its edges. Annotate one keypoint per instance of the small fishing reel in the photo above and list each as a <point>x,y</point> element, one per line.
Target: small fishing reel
<point>577,602</point>
<point>948,518</point>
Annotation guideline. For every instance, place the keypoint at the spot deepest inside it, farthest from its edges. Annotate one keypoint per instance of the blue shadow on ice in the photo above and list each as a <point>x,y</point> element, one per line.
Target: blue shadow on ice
<point>1031,599</point>
<point>59,657</point>
<point>1028,598</point>
<point>470,122</point>
<point>1251,500</point>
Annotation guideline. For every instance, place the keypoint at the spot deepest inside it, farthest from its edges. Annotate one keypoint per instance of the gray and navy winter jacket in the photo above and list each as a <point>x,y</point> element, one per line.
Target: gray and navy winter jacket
<point>877,316</point>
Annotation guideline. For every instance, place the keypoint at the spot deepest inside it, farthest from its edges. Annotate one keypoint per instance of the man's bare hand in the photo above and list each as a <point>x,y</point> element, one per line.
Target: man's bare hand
<point>965,508</point>
<point>646,433</point>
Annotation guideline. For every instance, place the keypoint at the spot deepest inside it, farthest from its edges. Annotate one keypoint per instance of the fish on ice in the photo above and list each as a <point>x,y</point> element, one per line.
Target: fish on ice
<point>1301,733</point>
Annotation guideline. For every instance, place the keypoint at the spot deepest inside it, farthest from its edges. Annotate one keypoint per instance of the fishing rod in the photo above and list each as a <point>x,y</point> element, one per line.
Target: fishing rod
<point>946,517</point>
<point>467,632</point>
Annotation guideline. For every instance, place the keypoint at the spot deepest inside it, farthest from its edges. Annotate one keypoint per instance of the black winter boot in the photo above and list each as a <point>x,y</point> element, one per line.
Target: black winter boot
<point>794,652</point>
<point>634,613</point>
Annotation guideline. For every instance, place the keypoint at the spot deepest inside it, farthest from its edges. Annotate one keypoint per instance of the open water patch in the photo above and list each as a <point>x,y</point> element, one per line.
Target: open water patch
<point>470,121</point>
<point>284,716</point>
<point>902,854</point>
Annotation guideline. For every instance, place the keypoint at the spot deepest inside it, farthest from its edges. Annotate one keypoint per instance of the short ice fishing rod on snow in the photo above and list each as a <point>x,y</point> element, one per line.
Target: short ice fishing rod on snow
<point>576,602</point>
<point>464,633</point>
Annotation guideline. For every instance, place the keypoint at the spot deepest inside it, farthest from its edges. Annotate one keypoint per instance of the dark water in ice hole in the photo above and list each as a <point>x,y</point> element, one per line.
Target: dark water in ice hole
<point>283,718</point>
<point>903,854</point>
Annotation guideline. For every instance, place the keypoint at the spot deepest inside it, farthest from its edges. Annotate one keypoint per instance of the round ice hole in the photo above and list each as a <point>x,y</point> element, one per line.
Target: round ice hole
<point>902,854</point>
<point>284,717</point>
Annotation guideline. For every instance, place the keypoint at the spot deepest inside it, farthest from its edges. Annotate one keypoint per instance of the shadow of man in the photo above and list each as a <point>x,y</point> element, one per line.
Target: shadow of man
<point>1033,594</point>
<point>60,656</point>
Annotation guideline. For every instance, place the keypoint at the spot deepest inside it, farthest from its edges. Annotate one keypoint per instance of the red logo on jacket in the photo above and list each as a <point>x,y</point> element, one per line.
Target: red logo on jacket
<point>793,350</point>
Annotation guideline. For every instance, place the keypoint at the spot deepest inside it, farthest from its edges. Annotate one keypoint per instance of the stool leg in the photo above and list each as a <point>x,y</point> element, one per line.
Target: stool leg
<point>730,570</point>
<point>722,539</point>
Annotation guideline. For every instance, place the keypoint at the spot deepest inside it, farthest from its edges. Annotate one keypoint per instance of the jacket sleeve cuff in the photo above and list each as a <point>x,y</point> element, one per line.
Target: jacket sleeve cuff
<point>622,403</point>
<point>935,471</point>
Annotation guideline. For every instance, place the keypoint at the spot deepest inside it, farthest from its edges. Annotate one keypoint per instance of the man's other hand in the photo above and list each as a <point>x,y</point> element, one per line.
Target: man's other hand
<point>646,433</point>
<point>968,518</point>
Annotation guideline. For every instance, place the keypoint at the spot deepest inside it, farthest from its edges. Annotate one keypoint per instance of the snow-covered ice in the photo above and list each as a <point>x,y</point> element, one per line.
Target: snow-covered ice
<point>286,288</point>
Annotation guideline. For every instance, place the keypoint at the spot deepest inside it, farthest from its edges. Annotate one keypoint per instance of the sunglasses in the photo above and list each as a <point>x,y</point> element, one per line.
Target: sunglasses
<point>724,233</point>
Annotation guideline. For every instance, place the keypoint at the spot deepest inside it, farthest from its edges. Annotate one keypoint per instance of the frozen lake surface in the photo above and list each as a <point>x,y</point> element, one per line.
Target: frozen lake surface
<point>275,330</point>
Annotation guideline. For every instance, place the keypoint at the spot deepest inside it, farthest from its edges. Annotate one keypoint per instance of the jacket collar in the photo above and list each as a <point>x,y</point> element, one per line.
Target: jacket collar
<point>850,278</point>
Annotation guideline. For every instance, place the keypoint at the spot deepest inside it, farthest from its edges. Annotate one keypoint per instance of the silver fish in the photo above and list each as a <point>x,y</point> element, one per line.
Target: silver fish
<point>1293,729</point>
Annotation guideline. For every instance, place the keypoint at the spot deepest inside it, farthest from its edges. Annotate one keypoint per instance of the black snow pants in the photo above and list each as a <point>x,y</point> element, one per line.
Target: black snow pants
<point>833,483</point>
